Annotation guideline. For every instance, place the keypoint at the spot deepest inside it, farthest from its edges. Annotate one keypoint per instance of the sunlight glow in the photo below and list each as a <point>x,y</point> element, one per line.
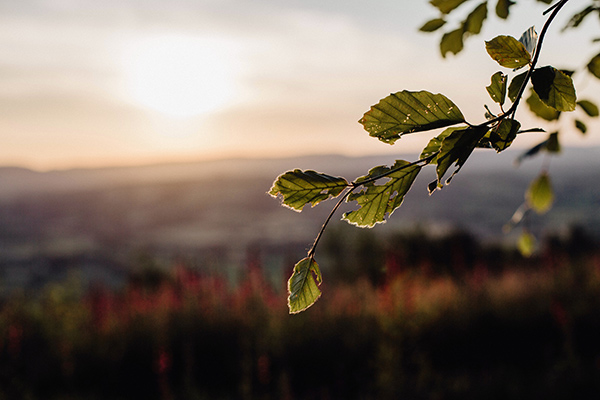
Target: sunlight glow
<point>179,75</point>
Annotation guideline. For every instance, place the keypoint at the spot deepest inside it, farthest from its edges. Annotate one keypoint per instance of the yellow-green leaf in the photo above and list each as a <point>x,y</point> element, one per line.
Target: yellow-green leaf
<point>303,285</point>
<point>526,244</point>
<point>508,52</point>
<point>432,25</point>
<point>475,19</point>
<point>503,8</point>
<point>581,126</point>
<point>497,89</point>
<point>540,109</point>
<point>452,42</point>
<point>406,112</point>
<point>502,137</point>
<point>590,108</point>
<point>554,88</point>
<point>594,66</point>
<point>540,195</point>
<point>515,86</point>
<point>299,188</point>
<point>446,6</point>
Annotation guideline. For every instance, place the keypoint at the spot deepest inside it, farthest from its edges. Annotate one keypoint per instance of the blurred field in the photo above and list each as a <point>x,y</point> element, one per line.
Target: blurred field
<point>430,318</point>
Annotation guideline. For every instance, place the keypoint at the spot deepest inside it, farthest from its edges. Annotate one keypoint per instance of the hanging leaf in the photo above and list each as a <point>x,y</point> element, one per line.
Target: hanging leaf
<point>406,112</point>
<point>456,148</point>
<point>433,25</point>
<point>299,188</point>
<point>539,195</point>
<point>515,86</point>
<point>590,108</point>
<point>502,137</point>
<point>452,42</point>
<point>554,88</point>
<point>526,244</point>
<point>446,6</point>
<point>303,285</point>
<point>540,109</point>
<point>594,66</point>
<point>508,52</point>
<point>529,39</point>
<point>581,126</point>
<point>532,151</point>
<point>474,21</point>
<point>503,8</point>
<point>552,144</point>
<point>377,201</point>
<point>435,144</point>
<point>497,89</point>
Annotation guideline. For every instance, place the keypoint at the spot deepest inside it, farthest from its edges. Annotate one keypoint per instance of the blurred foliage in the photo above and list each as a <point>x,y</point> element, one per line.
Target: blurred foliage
<point>434,317</point>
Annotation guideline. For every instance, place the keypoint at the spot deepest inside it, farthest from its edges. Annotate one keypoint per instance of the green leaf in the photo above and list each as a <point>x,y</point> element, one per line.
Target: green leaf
<point>539,195</point>
<point>377,201</point>
<point>299,188</point>
<point>433,25</point>
<point>446,6</point>
<point>540,109</point>
<point>515,86</point>
<point>529,39</point>
<point>456,148</point>
<point>303,285</point>
<point>594,66</point>
<point>590,108</point>
<point>581,126</point>
<point>406,112</point>
<point>502,137</point>
<point>508,52</point>
<point>475,19</point>
<point>552,144</point>
<point>435,144</point>
<point>554,88</point>
<point>497,89</point>
<point>502,8</point>
<point>579,17</point>
<point>526,244</point>
<point>452,42</point>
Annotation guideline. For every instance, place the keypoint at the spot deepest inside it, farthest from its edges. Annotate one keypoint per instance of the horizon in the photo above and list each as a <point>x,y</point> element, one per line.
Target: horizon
<point>90,85</point>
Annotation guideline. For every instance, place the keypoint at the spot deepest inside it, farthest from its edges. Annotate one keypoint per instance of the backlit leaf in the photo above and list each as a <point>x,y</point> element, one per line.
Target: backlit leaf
<point>502,8</point>
<point>456,148</point>
<point>377,201</point>
<point>554,88</point>
<point>552,144</point>
<point>581,126</point>
<point>435,144</point>
<point>475,19</point>
<point>529,39</point>
<point>590,108</point>
<point>526,244</point>
<point>497,88</point>
<point>303,285</point>
<point>299,188</point>
<point>594,66</point>
<point>508,52</point>
<point>515,86</point>
<point>502,137</point>
<point>406,112</point>
<point>433,25</point>
<point>446,6</point>
<point>539,195</point>
<point>540,109</point>
<point>452,42</point>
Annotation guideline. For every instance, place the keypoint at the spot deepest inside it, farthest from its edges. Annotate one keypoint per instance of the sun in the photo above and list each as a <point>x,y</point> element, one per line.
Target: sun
<point>179,75</point>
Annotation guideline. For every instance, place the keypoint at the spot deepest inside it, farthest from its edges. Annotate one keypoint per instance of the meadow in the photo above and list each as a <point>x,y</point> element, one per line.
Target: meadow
<point>435,318</point>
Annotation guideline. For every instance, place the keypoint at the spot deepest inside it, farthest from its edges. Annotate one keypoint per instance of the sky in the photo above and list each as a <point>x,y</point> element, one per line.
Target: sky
<point>87,83</point>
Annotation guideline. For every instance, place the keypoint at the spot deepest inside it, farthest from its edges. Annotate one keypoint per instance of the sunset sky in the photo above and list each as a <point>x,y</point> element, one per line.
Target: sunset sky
<point>87,83</point>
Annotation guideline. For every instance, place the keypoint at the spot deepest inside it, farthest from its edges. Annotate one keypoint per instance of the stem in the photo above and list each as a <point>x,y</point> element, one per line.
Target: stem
<point>311,252</point>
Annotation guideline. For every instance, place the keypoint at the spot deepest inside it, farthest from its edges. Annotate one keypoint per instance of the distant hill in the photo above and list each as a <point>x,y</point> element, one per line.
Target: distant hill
<point>215,211</point>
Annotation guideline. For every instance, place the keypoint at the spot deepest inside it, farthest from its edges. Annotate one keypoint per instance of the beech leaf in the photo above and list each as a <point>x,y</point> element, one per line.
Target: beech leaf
<point>539,195</point>
<point>594,66</point>
<point>299,188</point>
<point>508,52</point>
<point>590,108</point>
<point>406,112</point>
<point>497,89</point>
<point>554,88</point>
<point>303,285</point>
<point>446,6</point>
<point>433,25</point>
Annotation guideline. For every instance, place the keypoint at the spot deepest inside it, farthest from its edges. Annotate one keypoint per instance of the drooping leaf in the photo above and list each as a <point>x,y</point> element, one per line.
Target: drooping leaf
<point>515,86</point>
<point>378,200</point>
<point>552,144</point>
<point>503,8</point>
<point>526,244</point>
<point>581,126</point>
<point>540,109</point>
<point>497,89</point>
<point>299,188</point>
<point>456,149</point>
<point>435,143</point>
<point>590,108</point>
<point>446,6</point>
<point>433,25</point>
<point>475,19</point>
<point>529,39</point>
<point>406,112</point>
<point>594,66</point>
<point>554,88</point>
<point>303,285</point>
<point>579,17</point>
<point>502,137</point>
<point>508,52</point>
<point>452,42</point>
<point>532,151</point>
<point>539,195</point>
